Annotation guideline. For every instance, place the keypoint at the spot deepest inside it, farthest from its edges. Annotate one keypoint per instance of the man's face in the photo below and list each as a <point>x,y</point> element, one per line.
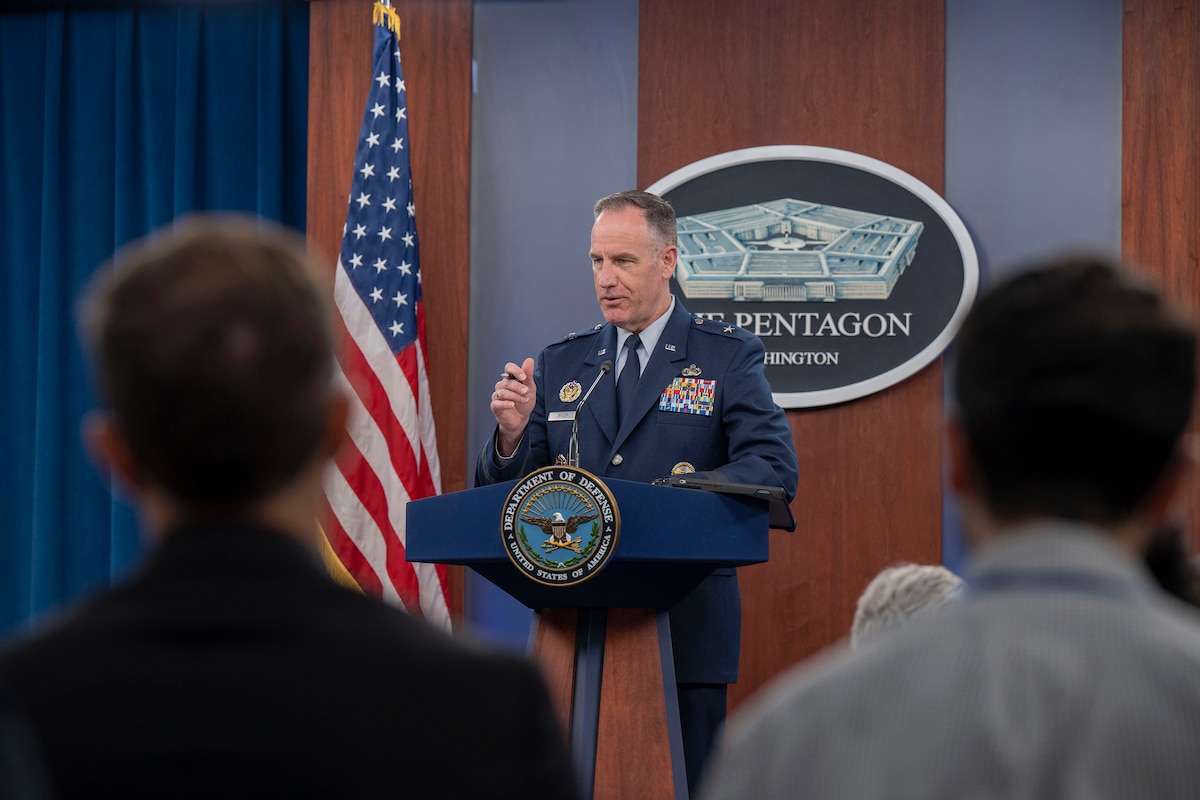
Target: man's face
<point>630,271</point>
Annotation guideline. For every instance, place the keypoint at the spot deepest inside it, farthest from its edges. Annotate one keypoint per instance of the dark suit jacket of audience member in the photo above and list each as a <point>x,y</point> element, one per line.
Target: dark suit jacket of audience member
<point>231,666</point>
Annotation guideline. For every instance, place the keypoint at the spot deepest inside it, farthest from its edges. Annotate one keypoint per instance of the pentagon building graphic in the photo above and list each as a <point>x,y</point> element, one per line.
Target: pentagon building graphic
<point>791,250</point>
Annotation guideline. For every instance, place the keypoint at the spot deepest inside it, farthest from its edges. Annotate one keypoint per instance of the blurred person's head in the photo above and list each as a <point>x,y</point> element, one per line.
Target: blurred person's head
<point>211,346</point>
<point>900,593</point>
<point>1073,384</point>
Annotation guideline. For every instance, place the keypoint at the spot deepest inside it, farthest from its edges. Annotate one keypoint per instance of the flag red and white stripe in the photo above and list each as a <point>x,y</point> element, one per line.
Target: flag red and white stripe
<point>391,453</point>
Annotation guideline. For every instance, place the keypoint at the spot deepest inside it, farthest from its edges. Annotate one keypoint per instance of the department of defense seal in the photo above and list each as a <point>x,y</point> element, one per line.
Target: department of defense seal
<point>560,525</point>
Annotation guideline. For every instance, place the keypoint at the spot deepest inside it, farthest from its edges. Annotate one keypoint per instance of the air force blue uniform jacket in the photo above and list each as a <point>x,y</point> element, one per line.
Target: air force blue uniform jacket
<point>702,399</point>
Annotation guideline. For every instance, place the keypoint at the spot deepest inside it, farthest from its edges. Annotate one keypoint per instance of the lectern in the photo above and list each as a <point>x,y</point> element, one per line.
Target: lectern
<point>604,644</point>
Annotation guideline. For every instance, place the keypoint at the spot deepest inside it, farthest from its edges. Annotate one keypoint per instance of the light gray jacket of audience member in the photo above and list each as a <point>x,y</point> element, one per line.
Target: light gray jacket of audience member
<point>1064,674</point>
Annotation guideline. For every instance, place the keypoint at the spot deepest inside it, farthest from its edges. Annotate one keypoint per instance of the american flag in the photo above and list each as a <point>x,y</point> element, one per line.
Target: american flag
<point>391,456</point>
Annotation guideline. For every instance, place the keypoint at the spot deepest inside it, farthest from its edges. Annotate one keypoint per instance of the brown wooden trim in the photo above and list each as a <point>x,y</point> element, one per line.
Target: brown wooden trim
<point>865,76</point>
<point>1160,186</point>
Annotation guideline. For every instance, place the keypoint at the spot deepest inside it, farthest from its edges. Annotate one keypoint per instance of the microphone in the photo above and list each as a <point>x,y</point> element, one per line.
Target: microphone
<point>573,447</point>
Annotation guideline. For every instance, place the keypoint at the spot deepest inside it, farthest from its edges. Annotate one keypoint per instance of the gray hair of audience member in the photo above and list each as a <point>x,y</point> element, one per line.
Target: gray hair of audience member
<point>899,593</point>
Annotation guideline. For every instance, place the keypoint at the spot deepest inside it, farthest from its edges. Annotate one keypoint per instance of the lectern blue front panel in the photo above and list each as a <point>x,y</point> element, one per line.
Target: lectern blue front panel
<point>670,540</point>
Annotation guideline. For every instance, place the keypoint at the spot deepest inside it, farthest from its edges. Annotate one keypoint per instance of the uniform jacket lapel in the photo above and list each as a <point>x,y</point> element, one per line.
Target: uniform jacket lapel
<point>660,370</point>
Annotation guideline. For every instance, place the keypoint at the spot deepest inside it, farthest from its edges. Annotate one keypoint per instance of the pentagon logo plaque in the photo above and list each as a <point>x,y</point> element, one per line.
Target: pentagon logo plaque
<point>853,273</point>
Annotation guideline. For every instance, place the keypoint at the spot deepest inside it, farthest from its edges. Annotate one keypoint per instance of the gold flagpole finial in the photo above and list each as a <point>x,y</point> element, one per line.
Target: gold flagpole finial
<point>385,14</point>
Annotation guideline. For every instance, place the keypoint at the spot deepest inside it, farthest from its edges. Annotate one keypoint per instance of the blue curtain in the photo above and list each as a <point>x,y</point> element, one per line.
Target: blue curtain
<point>113,123</point>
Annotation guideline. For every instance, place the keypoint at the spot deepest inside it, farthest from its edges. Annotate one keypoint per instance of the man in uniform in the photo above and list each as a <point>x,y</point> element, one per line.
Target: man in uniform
<point>686,394</point>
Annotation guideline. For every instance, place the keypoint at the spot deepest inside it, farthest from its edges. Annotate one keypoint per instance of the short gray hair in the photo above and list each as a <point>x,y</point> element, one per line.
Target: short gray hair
<point>900,592</point>
<point>660,216</point>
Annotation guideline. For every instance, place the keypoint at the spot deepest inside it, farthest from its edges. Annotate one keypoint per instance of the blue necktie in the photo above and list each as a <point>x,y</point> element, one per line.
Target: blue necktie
<point>629,376</point>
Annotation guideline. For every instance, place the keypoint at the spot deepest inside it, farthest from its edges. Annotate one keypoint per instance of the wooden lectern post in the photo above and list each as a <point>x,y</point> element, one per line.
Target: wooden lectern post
<point>604,645</point>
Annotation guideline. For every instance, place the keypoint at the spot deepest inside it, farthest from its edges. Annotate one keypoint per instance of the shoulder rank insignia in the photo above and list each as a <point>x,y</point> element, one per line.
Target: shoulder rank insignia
<point>691,372</point>
<point>570,392</point>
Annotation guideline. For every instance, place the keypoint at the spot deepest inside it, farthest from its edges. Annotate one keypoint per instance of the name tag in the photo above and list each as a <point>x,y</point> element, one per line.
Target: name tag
<point>561,416</point>
<point>689,396</point>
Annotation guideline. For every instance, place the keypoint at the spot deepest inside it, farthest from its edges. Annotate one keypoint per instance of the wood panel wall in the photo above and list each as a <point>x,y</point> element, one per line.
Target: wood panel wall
<point>436,46</point>
<point>1160,188</point>
<point>865,76</point>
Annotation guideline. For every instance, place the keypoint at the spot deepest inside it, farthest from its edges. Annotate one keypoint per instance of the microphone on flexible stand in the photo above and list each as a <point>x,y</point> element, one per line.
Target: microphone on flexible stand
<point>573,447</point>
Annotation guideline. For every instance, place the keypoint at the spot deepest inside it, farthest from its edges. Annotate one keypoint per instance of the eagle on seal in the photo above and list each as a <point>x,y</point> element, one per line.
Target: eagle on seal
<point>558,527</point>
